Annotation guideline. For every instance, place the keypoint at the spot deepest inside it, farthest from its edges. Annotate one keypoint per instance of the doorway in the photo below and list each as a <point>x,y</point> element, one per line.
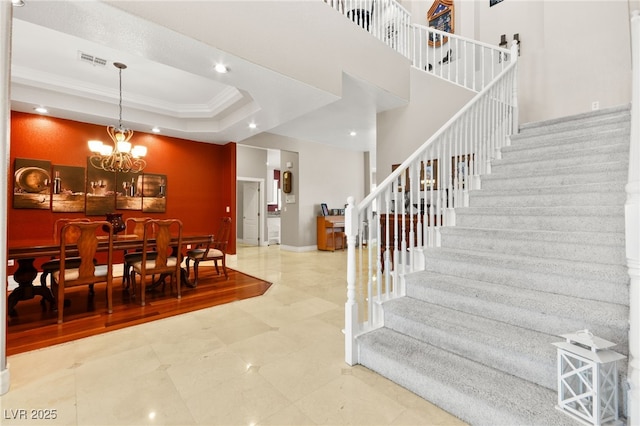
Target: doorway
<point>250,211</point>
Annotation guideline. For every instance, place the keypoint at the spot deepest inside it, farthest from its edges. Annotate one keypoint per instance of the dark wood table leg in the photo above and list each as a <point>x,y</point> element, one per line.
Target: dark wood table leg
<point>24,276</point>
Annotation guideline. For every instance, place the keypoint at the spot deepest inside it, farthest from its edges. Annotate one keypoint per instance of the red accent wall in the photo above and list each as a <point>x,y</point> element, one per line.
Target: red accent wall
<point>201,177</point>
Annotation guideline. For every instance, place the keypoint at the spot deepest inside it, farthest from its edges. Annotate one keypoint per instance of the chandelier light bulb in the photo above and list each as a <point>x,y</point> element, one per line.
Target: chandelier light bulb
<point>120,157</point>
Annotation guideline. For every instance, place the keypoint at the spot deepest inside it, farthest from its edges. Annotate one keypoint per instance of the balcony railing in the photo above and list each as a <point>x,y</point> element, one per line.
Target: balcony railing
<point>384,19</point>
<point>461,61</point>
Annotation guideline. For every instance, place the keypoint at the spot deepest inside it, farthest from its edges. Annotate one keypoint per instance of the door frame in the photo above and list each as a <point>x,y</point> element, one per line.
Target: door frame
<point>262,241</point>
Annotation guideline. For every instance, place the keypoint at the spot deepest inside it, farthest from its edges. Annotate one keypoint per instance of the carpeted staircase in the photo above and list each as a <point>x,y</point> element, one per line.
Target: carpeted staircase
<point>539,252</point>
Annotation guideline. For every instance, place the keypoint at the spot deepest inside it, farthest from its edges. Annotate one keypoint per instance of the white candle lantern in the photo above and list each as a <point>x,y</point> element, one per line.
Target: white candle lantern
<point>588,378</point>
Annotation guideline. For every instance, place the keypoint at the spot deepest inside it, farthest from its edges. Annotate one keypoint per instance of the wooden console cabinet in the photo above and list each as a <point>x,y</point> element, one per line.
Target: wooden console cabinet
<point>330,231</point>
<point>410,223</point>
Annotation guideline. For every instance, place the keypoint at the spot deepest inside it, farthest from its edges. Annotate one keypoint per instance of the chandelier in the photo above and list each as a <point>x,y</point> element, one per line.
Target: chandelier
<point>121,157</point>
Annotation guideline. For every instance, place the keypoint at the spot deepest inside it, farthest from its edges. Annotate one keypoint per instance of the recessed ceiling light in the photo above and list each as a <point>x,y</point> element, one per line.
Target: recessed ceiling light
<point>41,110</point>
<point>156,129</point>
<point>352,133</point>
<point>252,125</point>
<point>222,69</point>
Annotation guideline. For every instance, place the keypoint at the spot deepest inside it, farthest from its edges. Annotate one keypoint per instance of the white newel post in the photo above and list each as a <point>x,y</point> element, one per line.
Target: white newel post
<point>632,229</point>
<point>5,118</point>
<point>351,307</point>
<point>514,92</point>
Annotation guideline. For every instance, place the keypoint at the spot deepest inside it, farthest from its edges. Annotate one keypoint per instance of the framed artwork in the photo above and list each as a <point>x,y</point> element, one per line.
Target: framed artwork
<point>101,185</point>
<point>403,184</point>
<point>429,175</point>
<point>460,168</point>
<point>441,17</point>
<point>127,195</point>
<point>31,185</point>
<point>68,189</point>
<point>325,209</point>
<point>154,192</point>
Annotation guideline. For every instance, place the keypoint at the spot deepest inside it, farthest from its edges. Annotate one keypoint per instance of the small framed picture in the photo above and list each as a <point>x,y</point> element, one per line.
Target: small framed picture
<point>325,209</point>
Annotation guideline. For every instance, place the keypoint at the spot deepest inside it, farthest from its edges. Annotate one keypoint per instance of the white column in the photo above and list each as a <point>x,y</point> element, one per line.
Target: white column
<point>516,118</point>
<point>351,307</point>
<point>5,124</point>
<point>632,229</point>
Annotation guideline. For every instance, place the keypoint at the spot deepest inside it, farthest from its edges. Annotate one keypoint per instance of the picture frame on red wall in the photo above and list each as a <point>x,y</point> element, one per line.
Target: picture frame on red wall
<point>68,189</point>
<point>32,184</point>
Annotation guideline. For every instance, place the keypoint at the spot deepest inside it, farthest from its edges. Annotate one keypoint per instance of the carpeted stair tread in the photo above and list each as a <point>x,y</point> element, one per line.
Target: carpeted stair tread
<point>610,239</point>
<point>569,195</point>
<point>522,352</point>
<point>611,134</point>
<point>584,157</point>
<point>475,393</point>
<point>602,247</point>
<point>479,267</point>
<point>529,264</point>
<point>602,172</point>
<point>618,115</point>
<point>540,310</point>
<point>559,218</point>
<point>566,189</point>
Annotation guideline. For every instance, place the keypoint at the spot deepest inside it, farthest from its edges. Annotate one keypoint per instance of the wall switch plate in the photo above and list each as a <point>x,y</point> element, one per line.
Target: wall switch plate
<point>188,246</point>
<point>10,262</point>
<point>595,105</point>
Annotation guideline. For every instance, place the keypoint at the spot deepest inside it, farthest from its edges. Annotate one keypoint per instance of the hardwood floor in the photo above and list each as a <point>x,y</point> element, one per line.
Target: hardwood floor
<point>34,328</point>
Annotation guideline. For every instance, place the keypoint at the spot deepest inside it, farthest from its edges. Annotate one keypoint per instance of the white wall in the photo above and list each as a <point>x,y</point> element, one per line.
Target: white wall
<point>403,130</point>
<point>322,174</point>
<point>573,52</point>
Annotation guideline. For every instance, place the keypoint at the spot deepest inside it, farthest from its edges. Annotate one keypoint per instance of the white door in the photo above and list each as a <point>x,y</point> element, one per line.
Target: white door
<point>251,211</point>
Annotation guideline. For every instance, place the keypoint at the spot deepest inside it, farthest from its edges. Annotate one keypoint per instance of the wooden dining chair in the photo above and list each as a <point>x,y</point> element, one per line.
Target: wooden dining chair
<point>134,226</point>
<point>53,265</point>
<point>80,239</point>
<point>216,250</point>
<point>161,254</point>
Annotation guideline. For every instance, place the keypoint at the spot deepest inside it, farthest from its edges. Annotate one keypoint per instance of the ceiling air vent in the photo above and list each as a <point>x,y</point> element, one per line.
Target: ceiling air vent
<point>90,59</point>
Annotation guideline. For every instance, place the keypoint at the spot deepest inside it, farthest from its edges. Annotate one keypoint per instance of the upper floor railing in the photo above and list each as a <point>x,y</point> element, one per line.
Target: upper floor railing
<point>385,19</point>
<point>461,61</point>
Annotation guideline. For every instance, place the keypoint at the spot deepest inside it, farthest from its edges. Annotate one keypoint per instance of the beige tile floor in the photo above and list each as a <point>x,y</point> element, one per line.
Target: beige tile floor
<point>277,359</point>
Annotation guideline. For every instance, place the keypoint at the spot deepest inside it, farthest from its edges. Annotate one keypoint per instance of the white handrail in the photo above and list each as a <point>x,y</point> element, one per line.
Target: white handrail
<point>632,229</point>
<point>388,230</point>
<point>461,61</point>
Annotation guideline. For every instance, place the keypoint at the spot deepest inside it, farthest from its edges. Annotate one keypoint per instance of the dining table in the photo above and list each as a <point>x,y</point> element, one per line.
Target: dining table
<point>25,252</point>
